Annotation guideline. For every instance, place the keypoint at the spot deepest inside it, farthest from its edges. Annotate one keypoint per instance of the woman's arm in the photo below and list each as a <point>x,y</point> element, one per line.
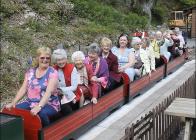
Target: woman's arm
<point>19,94</point>
<point>74,82</point>
<point>145,60</point>
<point>152,57</point>
<point>131,61</point>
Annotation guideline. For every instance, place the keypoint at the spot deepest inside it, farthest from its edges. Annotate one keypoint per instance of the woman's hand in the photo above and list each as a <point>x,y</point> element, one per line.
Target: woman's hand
<point>94,78</point>
<point>36,109</point>
<point>149,74</point>
<point>94,100</point>
<point>121,69</point>
<point>10,105</point>
<point>74,101</point>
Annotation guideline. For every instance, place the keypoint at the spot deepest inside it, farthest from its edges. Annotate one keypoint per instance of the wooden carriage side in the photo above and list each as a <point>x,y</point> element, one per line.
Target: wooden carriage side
<point>80,121</point>
<point>32,124</point>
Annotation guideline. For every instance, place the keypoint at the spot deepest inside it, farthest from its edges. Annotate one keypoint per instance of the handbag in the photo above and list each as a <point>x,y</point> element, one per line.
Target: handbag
<point>138,65</point>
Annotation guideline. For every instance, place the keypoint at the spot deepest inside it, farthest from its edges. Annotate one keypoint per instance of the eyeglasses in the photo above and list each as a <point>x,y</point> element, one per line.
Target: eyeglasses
<point>47,58</point>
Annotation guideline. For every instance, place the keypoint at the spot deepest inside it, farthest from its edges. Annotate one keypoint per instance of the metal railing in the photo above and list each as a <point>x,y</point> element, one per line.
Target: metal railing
<point>155,125</point>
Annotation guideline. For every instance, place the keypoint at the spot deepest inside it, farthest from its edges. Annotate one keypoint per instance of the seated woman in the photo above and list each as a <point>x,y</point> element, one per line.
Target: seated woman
<point>112,60</point>
<point>40,84</point>
<point>144,54</point>
<point>154,42</point>
<point>164,41</point>
<point>67,76</point>
<point>125,55</point>
<point>99,67</point>
<point>147,57</point>
<point>175,49</point>
<point>136,44</point>
<point>85,77</point>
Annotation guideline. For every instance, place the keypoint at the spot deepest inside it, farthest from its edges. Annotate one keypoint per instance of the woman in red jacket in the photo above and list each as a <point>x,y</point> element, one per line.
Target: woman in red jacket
<point>67,85</point>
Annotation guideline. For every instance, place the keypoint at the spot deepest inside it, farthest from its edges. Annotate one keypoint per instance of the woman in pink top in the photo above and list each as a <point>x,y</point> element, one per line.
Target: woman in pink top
<point>40,84</point>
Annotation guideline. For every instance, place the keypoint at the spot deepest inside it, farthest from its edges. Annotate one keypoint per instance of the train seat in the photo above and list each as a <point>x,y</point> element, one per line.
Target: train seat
<point>32,124</point>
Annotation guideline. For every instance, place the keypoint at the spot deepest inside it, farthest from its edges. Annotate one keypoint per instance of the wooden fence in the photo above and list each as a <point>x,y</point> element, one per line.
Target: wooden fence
<point>156,125</point>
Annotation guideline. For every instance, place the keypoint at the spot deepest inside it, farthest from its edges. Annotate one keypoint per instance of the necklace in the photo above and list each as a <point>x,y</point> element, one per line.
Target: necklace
<point>40,73</point>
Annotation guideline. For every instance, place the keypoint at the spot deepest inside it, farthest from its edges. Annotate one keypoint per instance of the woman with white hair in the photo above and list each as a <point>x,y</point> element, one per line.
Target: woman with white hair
<point>138,66</point>
<point>85,78</point>
<point>67,75</point>
<point>164,41</point>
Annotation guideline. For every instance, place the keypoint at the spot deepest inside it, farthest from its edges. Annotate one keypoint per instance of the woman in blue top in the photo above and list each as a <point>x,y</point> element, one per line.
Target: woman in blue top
<point>125,55</point>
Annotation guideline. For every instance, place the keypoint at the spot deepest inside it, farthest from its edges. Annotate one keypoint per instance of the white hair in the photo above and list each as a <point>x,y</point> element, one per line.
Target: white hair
<point>135,40</point>
<point>59,54</point>
<point>159,33</point>
<point>78,55</point>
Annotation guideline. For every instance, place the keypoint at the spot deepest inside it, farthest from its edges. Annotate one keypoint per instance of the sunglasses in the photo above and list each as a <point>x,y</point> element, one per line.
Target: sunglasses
<point>47,58</point>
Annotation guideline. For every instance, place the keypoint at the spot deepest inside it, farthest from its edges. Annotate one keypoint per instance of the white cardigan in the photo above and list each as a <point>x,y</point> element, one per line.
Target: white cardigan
<point>148,58</point>
<point>164,48</point>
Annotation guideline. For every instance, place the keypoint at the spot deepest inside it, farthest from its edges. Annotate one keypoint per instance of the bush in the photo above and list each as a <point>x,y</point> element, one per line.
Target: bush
<point>9,7</point>
<point>159,14</point>
<point>106,15</point>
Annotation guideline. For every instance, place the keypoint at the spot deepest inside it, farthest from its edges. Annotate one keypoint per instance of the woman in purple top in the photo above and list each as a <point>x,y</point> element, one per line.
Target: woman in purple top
<point>40,84</point>
<point>99,65</point>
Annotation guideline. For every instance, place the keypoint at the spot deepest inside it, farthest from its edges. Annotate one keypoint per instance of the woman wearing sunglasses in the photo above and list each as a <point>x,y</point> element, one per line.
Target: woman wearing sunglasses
<point>40,85</point>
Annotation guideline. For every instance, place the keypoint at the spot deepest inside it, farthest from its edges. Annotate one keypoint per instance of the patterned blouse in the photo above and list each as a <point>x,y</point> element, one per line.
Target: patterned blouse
<point>37,87</point>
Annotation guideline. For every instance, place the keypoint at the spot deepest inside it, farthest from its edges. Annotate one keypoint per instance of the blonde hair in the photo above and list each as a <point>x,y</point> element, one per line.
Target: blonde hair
<point>41,50</point>
<point>105,42</point>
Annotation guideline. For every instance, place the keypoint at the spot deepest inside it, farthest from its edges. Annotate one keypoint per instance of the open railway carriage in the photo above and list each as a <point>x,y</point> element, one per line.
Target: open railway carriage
<point>139,86</point>
<point>78,122</point>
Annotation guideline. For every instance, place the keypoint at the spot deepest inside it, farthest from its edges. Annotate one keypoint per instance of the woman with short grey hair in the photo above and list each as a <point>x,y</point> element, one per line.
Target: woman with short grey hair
<point>58,54</point>
<point>99,65</point>
<point>67,75</point>
<point>94,48</point>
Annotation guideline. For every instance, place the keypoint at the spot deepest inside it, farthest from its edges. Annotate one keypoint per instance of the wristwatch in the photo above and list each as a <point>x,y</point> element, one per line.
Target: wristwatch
<point>40,106</point>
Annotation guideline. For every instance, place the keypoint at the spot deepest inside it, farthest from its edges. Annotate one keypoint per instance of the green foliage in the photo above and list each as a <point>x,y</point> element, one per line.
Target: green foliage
<point>159,13</point>
<point>38,6</point>
<point>106,15</point>
<point>35,25</point>
<point>9,7</point>
<point>17,36</point>
<point>187,3</point>
<point>58,10</point>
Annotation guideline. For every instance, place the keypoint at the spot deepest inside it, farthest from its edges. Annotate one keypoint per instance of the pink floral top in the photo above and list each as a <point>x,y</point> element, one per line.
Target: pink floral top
<point>37,86</point>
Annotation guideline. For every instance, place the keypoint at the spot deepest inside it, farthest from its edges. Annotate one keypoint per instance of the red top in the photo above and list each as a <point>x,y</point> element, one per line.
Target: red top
<point>67,70</point>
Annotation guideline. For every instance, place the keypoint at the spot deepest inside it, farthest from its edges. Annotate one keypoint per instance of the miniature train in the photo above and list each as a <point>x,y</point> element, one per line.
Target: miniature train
<point>80,121</point>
